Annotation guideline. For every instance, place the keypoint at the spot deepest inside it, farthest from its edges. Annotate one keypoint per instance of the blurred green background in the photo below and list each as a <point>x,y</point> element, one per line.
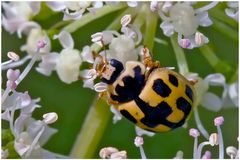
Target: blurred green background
<point>72,102</point>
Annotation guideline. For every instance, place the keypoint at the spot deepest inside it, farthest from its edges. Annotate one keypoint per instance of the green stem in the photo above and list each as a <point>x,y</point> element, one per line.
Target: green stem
<point>181,59</point>
<point>92,130</point>
<point>210,56</point>
<point>89,17</point>
<point>60,24</point>
<point>225,29</point>
<point>215,62</point>
<point>141,17</point>
<point>150,31</point>
<point>234,77</point>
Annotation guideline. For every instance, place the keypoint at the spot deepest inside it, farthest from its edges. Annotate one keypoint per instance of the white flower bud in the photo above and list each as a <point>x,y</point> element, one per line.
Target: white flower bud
<point>50,118</point>
<point>67,65</point>
<point>231,151</point>
<point>119,155</point>
<point>126,20</point>
<point>13,56</point>
<point>106,152</point>
<point>213,139</point>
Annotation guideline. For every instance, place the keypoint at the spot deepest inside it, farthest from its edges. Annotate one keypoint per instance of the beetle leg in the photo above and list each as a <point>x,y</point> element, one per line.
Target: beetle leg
<point>148,62</point>
<point>193,81</point>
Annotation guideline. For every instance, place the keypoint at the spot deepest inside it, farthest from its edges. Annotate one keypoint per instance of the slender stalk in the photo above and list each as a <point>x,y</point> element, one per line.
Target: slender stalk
<point>199,124</point>
<point>150,31</point>
<point>141,17</point>
<point>195,148</point>
<point>225,29</point>
<point>210,56</point>
<point>214,61</point>
<point>221,143</point>
<point>200,147</point>
<point>89,17</point>
<point>143,155</point>
<point>181,59</point>
<point>17,63</point>
<point>92,130</point>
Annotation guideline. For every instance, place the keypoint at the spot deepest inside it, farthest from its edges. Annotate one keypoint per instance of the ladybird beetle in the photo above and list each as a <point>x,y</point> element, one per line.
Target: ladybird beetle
<point>153,98</point>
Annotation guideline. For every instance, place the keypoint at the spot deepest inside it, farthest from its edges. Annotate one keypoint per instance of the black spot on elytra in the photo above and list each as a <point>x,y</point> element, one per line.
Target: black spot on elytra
<point>132,87</point>
<point>161,88</point>
<point>157,115</point>
<point>173,80</point>
<point>127,115</point>
<point>154,115</point>
<point>189,92</point>
<point>184,106</point>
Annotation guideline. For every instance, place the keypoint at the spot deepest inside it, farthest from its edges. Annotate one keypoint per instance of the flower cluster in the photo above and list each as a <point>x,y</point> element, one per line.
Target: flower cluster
<point>29,134</point>
<point>185,20</point>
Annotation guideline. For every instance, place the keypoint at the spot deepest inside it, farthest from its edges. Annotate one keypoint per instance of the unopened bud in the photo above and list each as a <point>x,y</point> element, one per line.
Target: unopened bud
<point>13,56</point>
<point>138,141</point>
<point>50,118</point>
<point>126,20</point>
<point>213,139</point>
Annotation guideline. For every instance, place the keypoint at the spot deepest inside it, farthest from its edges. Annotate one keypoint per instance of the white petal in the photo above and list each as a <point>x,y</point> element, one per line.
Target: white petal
<point>216,79</point>
<point>132,3</point>
<point>26,27</point>
<point>166,6</point>
<point>204,20</point>
<point>232,13</point>
<point>89,83</point>
<point>168,28</point>
<point>233,93</point>
<point>98,4</point>
<point>56,5</point>
<point>6,115</point>
<point>35,6</point>
<point>211,102</point>
<point>19,123</point>
<point>74,15</point>
<point>47,134</point>
<point>107,37</point>
<point>154,6</point>
<point>65,38</point>
<point>87,55</point>
<point>100,87</point>
<point>141,132</point>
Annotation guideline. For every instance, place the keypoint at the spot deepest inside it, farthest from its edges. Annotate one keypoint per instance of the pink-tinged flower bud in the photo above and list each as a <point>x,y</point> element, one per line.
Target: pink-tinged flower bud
<point>207,155</point>
<point>13,75</point>
<point>184,43</point>
<point>218,121</point>
<point>11,84</point>
<point>138,141</point>
<point>213,139</point>
<point>194,132</point>
<point>199,38</point>
<point>41,44</point>
<point>13,56</point>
